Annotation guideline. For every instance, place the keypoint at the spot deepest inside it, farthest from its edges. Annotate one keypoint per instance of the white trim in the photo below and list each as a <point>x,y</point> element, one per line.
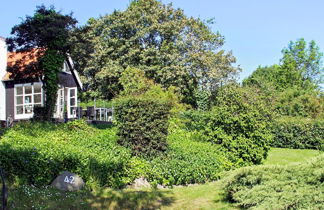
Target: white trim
<point>32,94</point>
<point>69,114</point>
<point>76,75</point>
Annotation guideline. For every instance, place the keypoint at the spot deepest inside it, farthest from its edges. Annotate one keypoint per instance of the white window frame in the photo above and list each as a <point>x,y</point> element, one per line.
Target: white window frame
<point>24,115</point>
<point>69,114</point>
<point>59,111</point>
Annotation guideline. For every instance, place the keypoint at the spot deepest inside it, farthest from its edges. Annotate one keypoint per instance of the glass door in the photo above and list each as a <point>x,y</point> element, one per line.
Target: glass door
<point>60,104</point>
<point>72,103</point>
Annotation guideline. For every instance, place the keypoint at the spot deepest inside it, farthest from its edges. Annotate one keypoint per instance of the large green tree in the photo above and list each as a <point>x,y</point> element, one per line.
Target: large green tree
<point>48,31</point>
<point>171,48</point>
<point>300,67</point>
<point>293,87</point>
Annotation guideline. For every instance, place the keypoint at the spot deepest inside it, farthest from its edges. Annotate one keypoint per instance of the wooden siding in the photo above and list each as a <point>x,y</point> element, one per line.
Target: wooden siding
<point>10,99</point>
<point>67,80</point>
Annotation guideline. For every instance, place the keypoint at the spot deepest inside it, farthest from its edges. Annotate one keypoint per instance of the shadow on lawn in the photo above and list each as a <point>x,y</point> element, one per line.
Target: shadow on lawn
<point>126,199</point>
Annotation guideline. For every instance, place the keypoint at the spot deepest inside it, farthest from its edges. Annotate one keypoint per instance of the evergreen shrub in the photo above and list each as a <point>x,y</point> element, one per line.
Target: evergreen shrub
<point>278,187</point>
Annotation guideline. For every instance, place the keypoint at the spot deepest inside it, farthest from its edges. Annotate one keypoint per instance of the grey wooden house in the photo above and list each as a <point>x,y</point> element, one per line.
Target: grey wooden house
<point>22,90</point>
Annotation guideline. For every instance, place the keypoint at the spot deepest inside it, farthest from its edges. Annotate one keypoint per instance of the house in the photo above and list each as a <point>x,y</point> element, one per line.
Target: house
<point>22,90</point>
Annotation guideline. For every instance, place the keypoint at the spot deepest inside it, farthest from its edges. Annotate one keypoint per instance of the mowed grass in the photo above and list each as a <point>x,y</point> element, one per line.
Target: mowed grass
<point>282,156</point>
<point>205,196</point>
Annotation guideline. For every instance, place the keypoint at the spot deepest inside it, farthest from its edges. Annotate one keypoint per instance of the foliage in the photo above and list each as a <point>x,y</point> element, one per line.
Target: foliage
<point>47,30</point>
<point>203,98</point>
<point>278,187</point>
<point>300,103</point>
<point>298,133</point>
<point>134,82</point>
<point>239,122</point>
<point>51,62</point>
<point>293,88</point>
<point>188,161</point>
<point>35,153</point>
<point>171,48</point>
<point>303,65</point>
<point>300,68</point>
<point>142,123</point>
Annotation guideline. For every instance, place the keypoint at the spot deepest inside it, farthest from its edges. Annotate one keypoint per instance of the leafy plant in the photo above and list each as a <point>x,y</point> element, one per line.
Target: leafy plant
<point>239,122</point>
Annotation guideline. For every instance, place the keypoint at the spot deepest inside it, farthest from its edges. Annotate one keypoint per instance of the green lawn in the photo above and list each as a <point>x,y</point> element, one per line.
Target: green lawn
<point>280,156</point>
<point>206,196</point>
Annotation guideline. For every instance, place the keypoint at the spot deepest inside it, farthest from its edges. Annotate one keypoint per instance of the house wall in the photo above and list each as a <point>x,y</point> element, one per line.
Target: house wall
<point>10,99</point>
<point>67,80</point>
<point>3,66</point>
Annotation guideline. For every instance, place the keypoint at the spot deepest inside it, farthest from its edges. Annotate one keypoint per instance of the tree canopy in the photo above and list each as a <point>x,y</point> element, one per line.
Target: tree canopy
<point>171,48</point>
<point>300,67</point>
<point>293,86</point>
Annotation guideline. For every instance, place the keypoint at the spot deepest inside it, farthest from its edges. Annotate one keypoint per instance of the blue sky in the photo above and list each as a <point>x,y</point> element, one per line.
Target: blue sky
<point>255,30</point>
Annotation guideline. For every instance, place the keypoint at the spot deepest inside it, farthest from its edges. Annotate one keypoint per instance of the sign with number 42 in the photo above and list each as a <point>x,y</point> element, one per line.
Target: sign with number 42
<point>69,180</point>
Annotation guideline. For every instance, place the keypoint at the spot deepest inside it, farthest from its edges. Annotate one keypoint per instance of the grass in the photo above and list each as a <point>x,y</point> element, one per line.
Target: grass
<point>206,196</point>
<point>282,156</point>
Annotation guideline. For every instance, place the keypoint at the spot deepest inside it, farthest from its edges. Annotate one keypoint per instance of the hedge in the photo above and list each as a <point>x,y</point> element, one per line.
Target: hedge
<point>35,153</point>
<point>142,124</point>
<point>298,133</point>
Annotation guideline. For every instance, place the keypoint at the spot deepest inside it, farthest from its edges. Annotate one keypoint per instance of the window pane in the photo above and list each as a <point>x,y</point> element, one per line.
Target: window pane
<point>19,90</point>
<point>38,98</point>
<point>28,99</point>
<point>72,92</point>
<point>19,100</point>
<point>28,89</point>
<point>28,109</point>
<point>73,110</point>
<point>72,102</point>
<point>37,88</point>
<point>20,109</point>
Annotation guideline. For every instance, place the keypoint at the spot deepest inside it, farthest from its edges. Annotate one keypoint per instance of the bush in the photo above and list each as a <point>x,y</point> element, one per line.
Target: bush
<point>238,122</point>
<point>298,133</point>
<point>300,103</point>
<point>35,153</point>
<point>188,161</point>
<point>278,187</point>
<point>142,123</point>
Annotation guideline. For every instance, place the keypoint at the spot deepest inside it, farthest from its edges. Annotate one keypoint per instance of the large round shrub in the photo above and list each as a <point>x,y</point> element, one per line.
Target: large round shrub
<point>238,121</point>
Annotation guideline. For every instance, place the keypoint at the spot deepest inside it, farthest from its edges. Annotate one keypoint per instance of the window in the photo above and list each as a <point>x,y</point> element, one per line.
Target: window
<point>27,96</point>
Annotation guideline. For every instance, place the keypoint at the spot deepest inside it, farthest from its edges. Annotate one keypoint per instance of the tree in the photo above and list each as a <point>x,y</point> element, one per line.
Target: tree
<point>48,31</point>
<point>300,67</point>
<point>293,87</point>
<point>171,48</point>
<point>303,64</point>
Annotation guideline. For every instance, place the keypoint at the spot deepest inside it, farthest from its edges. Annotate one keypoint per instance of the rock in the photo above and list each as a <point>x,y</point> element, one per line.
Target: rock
<point>68,181</point>
<point>160,186</point>
<point>140,183</point>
